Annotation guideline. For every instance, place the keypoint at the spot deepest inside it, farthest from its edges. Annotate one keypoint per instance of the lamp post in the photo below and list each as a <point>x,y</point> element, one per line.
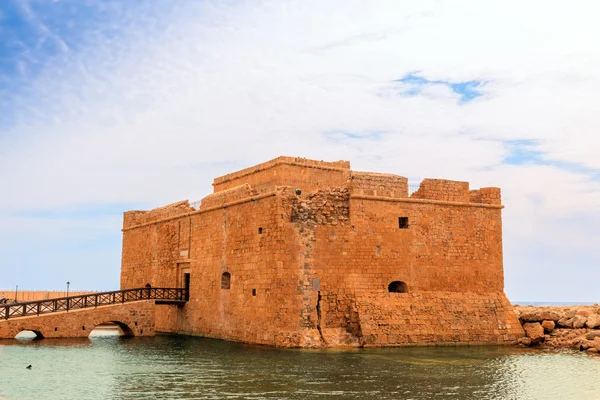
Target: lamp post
<point>16,290</point>
<point>68,283</point>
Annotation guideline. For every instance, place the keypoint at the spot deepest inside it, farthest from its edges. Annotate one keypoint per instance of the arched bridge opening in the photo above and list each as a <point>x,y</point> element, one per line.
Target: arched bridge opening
<point>111,329</point>
<point>27,334</point>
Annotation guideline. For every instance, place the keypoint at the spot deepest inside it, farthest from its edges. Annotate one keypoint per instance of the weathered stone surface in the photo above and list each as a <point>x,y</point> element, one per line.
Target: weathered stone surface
<point>565,322</point>
<point>584,312</point>
<point>548,326</point>
<point>538,316</point>
<point>593,321</point>
<point>534,331</point>
<point>593,334</point>
<point>313,246</point>
<point>597,343</point>
<point>530,316</point>
<point>579,321</point>
<point>525,341</point>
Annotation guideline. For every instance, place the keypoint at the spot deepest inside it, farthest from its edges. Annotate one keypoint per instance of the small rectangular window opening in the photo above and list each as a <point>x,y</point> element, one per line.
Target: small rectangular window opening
<point>403,222</point>
<point>253,292</point>
<point>260,231</point>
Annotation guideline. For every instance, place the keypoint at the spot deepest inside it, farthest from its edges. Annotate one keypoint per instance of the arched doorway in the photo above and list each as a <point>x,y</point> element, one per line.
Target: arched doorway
<point>27,334</point>
<point>398,287</point>
<point>225,280</point>
<point>111,329</point>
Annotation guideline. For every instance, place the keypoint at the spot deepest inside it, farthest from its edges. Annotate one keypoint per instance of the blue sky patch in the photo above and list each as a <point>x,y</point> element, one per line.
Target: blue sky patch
<point>525,152</point>
<point>337,134</point>
<point>468,90</point>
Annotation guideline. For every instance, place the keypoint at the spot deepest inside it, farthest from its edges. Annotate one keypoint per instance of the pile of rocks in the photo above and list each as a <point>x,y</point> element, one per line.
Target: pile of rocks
<point>561,326</point>
<point>325,206</point>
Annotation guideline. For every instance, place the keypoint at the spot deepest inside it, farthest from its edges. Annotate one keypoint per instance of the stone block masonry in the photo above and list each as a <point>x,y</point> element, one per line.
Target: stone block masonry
<point>305,253</point>
<point>135,318</point>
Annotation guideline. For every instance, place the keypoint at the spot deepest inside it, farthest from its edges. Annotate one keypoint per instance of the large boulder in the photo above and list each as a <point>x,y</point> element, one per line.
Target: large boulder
<point>584,312</point>
<point>530,316</point>
<point>597,343</point>
<point>550,316</point>
<point>593,321</point>
<point>579,321</point>
<point>534,331</point>
<point>565,322</point>
<point>548,326</point>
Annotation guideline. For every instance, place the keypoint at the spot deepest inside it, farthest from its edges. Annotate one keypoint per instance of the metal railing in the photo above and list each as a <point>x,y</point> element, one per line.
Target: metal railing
<point>92,300</point>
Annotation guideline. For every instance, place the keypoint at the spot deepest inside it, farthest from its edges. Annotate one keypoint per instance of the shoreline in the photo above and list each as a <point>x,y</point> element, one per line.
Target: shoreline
<point>575,327</point>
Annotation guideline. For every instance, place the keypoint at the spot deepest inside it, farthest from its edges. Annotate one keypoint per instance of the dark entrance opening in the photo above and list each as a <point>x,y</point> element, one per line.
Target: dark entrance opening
<point>186,285</point>
<point>225,280</point>
<point>398,287</point>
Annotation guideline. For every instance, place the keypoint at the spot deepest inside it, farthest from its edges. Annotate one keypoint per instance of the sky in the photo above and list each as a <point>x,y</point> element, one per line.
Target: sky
<point>107,106</point>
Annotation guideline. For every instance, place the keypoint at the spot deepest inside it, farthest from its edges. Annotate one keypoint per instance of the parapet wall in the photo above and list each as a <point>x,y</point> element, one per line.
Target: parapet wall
<point>488,195</point>
<point>227,196</point>
<point>444,190</point>
<point>456,191</point>
<point>308,175</point>
<point>134,218</point>
<point>374,184</point>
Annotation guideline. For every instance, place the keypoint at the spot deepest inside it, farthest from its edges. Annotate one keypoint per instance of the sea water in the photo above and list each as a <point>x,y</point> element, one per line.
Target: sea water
<point>179,367</point>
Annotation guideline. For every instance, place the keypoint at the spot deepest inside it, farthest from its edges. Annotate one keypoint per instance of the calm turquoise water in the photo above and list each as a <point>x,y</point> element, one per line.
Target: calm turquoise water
<point>173,367</point>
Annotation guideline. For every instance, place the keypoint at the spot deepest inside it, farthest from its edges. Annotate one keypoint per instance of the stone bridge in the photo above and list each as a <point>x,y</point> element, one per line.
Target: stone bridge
<point>135,318</point>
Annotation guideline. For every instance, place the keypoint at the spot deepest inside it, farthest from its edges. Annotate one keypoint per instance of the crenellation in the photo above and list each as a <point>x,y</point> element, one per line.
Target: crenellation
<point>381,185</point>
<point>444,190</point>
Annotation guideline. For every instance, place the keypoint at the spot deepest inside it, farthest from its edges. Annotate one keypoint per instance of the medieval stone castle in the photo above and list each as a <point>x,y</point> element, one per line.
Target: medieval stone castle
<point>303,253</point>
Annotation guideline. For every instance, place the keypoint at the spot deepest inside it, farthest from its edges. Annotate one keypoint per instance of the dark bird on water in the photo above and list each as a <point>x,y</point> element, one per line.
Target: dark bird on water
<point>28,367</point>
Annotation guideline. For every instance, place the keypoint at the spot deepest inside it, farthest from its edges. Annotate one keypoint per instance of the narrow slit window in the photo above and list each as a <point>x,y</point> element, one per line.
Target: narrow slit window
<point>260,231</point>
<point>403,222</point>
<point>253,292</point>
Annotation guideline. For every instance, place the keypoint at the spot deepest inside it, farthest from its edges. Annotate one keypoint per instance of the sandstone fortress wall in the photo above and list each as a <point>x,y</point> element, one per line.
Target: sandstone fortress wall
<point>303,253</point>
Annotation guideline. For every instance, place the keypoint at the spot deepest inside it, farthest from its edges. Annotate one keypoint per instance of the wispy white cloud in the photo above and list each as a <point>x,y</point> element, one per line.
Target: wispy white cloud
<point>130,117</point>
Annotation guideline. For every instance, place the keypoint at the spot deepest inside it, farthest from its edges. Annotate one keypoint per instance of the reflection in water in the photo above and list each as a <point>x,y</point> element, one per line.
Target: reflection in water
<point>26,335</point>
<point>174,367</point>
<point>106,330</point>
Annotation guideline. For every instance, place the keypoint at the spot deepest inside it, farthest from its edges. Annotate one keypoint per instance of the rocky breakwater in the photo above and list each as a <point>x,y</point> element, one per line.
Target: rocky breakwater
<point>576,327</point>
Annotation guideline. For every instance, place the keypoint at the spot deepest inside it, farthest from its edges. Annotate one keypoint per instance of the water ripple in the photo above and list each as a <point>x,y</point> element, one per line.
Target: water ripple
<point>173,367</point>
